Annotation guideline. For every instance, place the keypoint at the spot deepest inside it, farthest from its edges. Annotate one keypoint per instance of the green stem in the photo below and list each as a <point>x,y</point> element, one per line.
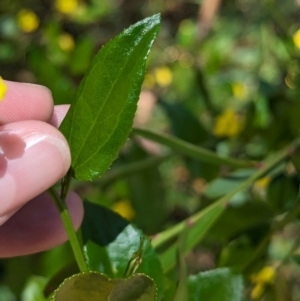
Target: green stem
<point>65,185</point>
<point>66,219</point>
<point>190,149</point>
<point>267,165</point>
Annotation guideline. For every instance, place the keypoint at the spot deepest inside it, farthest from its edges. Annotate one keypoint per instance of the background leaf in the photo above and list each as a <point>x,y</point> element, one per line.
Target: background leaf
<point>112,244</point>
<point>94,286</point>
<point>221,186</point>
<point>184,124</point>
<point>100,119</point>
<point>147,193</point>
<point>218,284</point>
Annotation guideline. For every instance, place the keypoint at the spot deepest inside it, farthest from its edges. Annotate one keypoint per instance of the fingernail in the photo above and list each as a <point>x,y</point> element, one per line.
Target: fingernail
<point>34,156</point>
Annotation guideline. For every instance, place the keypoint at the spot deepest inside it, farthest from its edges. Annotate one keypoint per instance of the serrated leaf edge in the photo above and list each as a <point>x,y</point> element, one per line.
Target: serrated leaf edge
<point>109,279</point>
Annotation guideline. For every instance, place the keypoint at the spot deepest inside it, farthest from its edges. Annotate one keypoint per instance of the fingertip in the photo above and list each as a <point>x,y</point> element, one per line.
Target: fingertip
<point>24,101</point>
<point>35,156</point>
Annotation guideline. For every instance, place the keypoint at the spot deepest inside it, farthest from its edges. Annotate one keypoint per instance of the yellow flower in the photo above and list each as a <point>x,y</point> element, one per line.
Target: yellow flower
<point>3,89</point>
<point>296,38</point>
<point>257,291</point>
<point>262,182</point>
<point>66,6</point>
<point>163,76</point>
<point>28,21</point>
<point>239,90</point>
<point>264,277</point>
<point>227,124</point>
<point>125,209</point>
<point>66,42</point>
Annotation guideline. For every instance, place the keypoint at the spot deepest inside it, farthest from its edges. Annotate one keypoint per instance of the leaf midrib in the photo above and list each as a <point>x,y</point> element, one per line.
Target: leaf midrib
<point>103,104</point>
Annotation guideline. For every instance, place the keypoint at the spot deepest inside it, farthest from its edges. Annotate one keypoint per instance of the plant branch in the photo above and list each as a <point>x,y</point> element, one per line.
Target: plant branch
<point>66,219</point>
<point>190,149</point>
<point>202,221</point>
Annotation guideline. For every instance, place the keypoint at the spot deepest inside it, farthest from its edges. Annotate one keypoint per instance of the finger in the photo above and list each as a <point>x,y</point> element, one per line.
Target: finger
<point>37,226</point>
<point>33,156</point>
<point>25,102</point>
<point>59,114</point>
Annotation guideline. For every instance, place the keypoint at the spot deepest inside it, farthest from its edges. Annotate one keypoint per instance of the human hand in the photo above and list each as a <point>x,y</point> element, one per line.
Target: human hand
<point>34,155</point>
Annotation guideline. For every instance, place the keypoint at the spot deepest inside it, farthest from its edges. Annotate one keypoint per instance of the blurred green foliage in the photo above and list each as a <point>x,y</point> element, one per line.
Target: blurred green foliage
<point>232,88</point>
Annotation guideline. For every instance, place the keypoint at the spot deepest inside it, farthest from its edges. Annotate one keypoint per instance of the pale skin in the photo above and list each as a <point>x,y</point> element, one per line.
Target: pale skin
<point>34,155</point>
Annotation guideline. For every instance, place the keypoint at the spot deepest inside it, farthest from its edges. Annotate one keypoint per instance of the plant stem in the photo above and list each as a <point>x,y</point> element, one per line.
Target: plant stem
<point>190,149</point>
<point>66,219</point>
<point>266,166</point>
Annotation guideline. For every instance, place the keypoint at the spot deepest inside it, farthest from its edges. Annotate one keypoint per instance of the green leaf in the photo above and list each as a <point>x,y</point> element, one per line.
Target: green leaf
<point>81,56</point>
<point>147,193</point>
<point>110,241</point>
<point>241,219</point>
<point>101,225</point>
<point>93,286</point>
<point>48,74</point>
<point>33,290</point>
<point>184,124</point>
<point>59,277</point>
<point>221,186</point>
<point>282,193</point>
<point>219,284</point>
<point>6,294</point>
<point>100,119</point>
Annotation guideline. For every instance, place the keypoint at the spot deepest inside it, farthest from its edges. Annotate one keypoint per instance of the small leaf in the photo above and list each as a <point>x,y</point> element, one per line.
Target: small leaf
<point>222,186</point>
<point>219,284</point>
<point>93,286</point>
<point>110,241</point>
<point>100,119</point>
